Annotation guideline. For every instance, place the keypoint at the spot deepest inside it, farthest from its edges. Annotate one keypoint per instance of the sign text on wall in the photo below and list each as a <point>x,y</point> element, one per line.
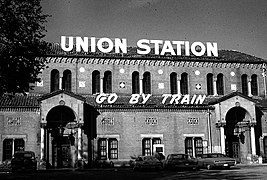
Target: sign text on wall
<point>144,46</point>
<point>143,98</point>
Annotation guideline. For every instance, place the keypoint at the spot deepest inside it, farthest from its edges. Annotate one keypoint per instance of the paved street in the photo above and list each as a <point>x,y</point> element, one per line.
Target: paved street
<point>240,172</point>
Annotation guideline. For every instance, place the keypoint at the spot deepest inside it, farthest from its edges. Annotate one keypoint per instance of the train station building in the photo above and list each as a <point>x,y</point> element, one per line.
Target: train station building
<point>110,108</point>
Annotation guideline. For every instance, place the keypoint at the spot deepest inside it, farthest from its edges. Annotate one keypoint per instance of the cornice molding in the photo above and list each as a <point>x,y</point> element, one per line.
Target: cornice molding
<point>154,62</point>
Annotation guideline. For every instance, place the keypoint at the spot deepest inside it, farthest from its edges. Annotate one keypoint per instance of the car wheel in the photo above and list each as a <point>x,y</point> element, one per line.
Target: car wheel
<point>208,166</point>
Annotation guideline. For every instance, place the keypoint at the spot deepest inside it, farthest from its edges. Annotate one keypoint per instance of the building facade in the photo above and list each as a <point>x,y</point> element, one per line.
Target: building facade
<point>95,108</point>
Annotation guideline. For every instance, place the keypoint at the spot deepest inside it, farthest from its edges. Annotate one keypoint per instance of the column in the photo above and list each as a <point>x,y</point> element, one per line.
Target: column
<point>13,146</point>
<point>179,86</point>
<point>249,87</point>
<point>193,146</point>
<point>60,82</point>
<point>141,86</point>
<point>101,85</point>
<point>215,87</point>
<point>151,146</point>
<point>79,143</point>
<point>42,142</point>
<point>253,145</point>
<point>222,140</point>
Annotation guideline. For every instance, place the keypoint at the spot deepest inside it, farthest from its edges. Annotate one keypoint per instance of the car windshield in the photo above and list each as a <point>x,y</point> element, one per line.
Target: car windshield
<point>213,155</point>
<point>150,158</point>
<point>180,156</point>
<point>21,155</point>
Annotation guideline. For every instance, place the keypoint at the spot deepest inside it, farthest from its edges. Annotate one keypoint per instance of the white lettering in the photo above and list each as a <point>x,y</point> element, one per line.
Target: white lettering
<point>145,98</point>
<point>134,98</point>
<point>143,43</point>
<point>80,43</point>
<point>100,98</point>
<point>196,52</point>
<point>212,48</point>
<point>63,43</point>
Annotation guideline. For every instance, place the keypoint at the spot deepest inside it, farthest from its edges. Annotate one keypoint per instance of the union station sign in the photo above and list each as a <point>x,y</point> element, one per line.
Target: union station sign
<point>161,47</point>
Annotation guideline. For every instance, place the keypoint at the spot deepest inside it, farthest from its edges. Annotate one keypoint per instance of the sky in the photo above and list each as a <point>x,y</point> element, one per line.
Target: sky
<point>239,25</point>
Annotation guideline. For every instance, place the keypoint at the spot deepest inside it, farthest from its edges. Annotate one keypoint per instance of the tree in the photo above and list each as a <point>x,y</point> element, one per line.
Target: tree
<point>21,32</point>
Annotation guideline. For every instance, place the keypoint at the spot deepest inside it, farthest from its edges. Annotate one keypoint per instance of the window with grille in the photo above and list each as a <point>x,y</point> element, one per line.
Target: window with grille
<point>244,81</point>
<point>95,82</point>
<point>147,83</point>
<point>147,144</point>
<point>220,85</point>
<point>108,148</point>
<point>189,146</point>
<point>135,83</point>
<point>184,83</point>
<point>66,80</point>
<point>102,147</point>
<point>210,84</point>
<point>173,83</point>
<point>254,85</point>
<point>198,146</point>
<point>107,86</point>
<point>54,80</point>
<point>19,145</point>
<point>113,149</point>
<point>197,149</point>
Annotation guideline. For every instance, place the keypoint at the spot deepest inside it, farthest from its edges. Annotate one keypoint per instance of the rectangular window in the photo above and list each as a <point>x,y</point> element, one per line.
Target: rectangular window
<point>102,146</point>
<point>113,149</point>
<point>198,146</point>
<point>197,149</point>
<point>189,146</point>
<point>19,145</point>
<point>147,146</point>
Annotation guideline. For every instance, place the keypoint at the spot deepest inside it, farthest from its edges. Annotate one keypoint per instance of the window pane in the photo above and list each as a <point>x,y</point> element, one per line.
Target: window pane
<point>173,83</point>
<point>184,83</point>
<point>7,149</point>
<point>210,84</point>
<point>254,85</point>
<point>96,82</point>
<point>146,147</point>
<point>220,85</point>
<point>135,83</point>
<point>113,149</point>
<point>102,147</point>
<point>244,80</point>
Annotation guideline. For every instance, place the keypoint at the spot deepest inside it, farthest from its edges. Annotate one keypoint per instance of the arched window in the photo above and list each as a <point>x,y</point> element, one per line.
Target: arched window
<point>54,80</point>
<point>107,86</point>
<point>146,83</point>
<point>184,83</point>
<point>244,81</point>
<point>210,84</point>
<point>173,83</point>
<point>66,80</point>
<point>254,85</point>
<point>220,85</point>
<point>95,82</point>
<point>135,83</point>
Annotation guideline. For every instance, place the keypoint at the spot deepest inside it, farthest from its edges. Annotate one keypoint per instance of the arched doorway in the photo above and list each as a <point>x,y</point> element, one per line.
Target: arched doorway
<point>60,140</point>
<point>237,142</point>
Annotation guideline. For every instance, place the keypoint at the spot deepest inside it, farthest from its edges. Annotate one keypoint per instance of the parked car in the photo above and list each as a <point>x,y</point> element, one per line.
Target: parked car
<point>147,162</point>
<point>23,160</point>
<point>212,160</point>
<point>180,161</point>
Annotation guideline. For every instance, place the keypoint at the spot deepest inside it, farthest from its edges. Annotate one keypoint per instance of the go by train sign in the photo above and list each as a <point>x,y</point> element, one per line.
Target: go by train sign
<point>144,46</point>
<point>143,98</point>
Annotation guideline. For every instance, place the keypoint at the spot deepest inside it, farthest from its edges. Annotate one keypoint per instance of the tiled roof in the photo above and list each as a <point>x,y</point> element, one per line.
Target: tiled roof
<point>19,100</point>
<point>223,55</point>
